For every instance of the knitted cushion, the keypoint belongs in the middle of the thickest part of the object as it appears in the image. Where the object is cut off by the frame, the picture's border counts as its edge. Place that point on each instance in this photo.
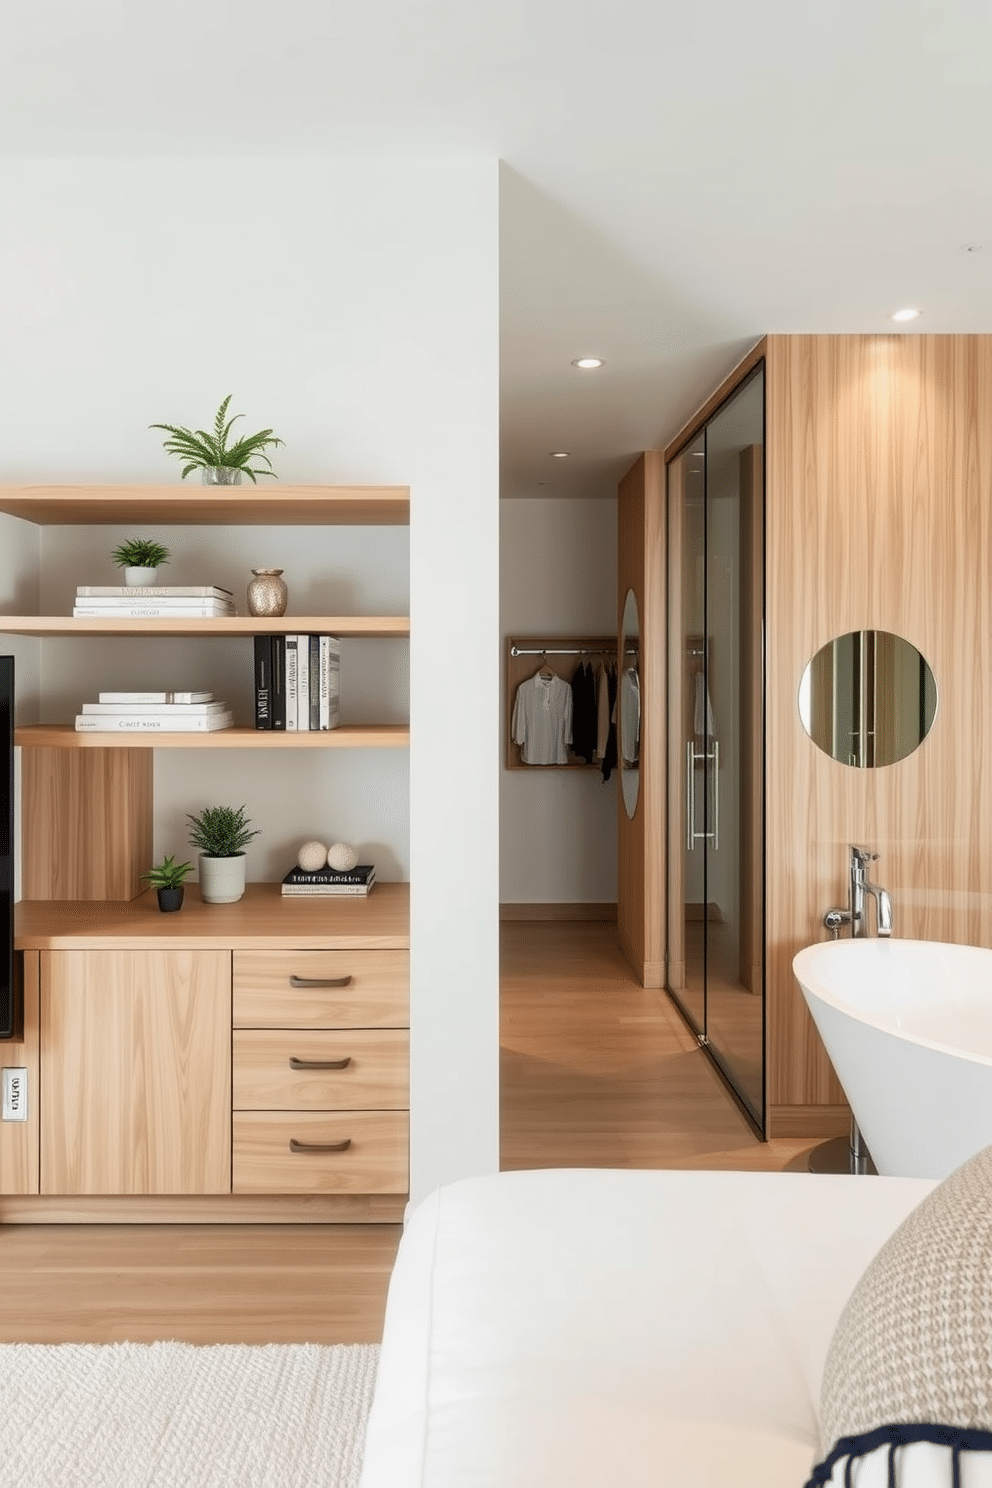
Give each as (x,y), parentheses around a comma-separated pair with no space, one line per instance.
(914,1342)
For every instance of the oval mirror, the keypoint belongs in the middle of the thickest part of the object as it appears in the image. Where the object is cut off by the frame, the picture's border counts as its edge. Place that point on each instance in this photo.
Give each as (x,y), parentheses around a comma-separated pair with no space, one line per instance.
(629,705)
(868,698)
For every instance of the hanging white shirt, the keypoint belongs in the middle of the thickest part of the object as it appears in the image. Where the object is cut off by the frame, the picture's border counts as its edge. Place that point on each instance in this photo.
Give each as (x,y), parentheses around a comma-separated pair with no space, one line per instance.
(542,720)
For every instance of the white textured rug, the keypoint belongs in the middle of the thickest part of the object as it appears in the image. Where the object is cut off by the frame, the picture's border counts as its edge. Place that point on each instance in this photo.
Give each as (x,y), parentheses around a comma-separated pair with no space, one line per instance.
(179,1415)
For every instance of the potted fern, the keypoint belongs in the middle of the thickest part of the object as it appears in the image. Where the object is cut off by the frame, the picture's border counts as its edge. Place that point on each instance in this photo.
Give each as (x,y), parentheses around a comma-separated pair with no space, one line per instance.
(222,462)
(167,879)
(140,558)
(221,833)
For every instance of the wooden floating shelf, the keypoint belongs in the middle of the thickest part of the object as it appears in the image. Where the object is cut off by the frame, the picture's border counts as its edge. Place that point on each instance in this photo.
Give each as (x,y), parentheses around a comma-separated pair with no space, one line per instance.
(395,626)
(348,736)
(265,505)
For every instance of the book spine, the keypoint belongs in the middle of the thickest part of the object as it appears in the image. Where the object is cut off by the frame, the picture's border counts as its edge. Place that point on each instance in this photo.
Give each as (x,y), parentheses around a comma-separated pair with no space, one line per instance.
(170,710)
(314,646)
(277,649)
(155,697)
(263,682)
(151,612)
(303,683)
(302,877)
(153,591)
(325,891)
(152,723)
(291,681)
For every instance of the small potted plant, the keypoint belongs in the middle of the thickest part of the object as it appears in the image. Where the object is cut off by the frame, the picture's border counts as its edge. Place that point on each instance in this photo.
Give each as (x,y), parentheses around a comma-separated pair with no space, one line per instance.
(221,833)
(140,557)
(221,463)
(167,879)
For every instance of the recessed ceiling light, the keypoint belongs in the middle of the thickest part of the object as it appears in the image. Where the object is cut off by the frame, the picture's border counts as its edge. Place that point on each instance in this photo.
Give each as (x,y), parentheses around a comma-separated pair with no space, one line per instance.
(585,362)
(559,454)
(907,314)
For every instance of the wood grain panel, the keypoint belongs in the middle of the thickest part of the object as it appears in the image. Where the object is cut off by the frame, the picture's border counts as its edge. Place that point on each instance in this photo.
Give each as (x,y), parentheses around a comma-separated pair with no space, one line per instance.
(641,839)
(86,823)
(136,1049)
(376,996)
(396,626)
(34,736)
(879,515)
(374,1072)
(204,1209)
(191,505)
(262,918)
(375,1161)
(19,1139)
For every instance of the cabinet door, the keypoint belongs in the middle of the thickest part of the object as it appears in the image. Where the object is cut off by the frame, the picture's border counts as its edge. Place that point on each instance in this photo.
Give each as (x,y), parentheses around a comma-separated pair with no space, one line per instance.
(136,1072)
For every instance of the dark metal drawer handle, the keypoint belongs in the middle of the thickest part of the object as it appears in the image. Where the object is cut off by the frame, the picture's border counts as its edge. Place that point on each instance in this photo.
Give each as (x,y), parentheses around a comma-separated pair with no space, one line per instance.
(295,1146)
(319,1064)
(296,981)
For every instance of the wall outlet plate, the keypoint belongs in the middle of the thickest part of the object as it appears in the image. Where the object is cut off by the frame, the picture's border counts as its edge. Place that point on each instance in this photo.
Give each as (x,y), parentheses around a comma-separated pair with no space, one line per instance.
(14,1083)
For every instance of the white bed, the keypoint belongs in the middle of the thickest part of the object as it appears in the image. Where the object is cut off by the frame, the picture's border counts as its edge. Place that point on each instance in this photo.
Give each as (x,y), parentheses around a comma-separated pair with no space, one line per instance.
(578,1328)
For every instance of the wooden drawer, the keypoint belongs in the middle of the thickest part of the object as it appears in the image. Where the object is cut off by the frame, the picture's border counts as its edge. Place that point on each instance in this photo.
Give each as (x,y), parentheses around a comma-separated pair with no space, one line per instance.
(375,1160)
(373,1070)
(376,995)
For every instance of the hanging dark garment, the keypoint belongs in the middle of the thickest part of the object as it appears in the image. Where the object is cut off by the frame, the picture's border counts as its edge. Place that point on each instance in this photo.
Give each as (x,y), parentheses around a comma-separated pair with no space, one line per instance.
(610,757)
(584,712)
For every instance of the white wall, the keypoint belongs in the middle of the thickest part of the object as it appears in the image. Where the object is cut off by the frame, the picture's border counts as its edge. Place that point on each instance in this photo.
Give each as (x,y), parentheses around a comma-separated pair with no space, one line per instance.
(353,307)
(558,576)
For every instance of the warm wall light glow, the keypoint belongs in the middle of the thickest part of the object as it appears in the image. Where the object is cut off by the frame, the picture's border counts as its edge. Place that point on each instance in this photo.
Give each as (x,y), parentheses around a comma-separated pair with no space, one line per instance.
(588,362)
(559,454)
(907,314)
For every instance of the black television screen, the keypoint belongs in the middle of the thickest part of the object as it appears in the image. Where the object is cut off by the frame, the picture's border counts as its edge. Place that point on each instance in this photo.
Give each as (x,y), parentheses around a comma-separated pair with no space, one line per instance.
(8,998)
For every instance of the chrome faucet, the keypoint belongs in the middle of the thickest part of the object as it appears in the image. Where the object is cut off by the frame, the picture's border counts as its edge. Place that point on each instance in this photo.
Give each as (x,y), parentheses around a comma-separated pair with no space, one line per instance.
(861,886)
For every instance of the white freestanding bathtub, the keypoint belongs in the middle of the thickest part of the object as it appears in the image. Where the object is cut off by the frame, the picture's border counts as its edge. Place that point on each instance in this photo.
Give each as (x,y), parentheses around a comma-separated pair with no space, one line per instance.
(908,1027)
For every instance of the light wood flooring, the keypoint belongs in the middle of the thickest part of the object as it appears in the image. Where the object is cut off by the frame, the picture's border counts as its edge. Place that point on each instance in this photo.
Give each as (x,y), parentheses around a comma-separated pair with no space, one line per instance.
(596,1071)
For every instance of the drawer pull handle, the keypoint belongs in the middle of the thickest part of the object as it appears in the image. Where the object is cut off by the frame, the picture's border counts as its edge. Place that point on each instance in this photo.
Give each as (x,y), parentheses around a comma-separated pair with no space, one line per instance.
(296,981)
(295,1146)
(319,1064)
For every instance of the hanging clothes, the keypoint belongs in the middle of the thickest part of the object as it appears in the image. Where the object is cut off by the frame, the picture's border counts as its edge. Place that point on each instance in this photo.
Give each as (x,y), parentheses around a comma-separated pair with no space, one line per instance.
(630,713)
(542,720)
(610,748)
(584,718)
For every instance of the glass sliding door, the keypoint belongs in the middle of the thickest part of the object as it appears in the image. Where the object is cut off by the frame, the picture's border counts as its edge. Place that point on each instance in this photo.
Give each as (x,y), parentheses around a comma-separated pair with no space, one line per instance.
(716,614)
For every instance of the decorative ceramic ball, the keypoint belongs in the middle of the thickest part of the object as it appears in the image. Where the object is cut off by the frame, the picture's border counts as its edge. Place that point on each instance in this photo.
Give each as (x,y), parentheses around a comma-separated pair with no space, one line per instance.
(341,857)
(311,856)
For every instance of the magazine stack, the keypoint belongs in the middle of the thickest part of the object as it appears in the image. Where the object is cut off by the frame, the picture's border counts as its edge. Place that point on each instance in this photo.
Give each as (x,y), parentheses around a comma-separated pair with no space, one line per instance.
(154,713)
(329,882)
(297,682)
(153,602)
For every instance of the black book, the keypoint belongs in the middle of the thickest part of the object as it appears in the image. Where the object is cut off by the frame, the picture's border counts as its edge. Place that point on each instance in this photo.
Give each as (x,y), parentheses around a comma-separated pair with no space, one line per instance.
(362,873)
(315,682)
(278,658)
(263,683)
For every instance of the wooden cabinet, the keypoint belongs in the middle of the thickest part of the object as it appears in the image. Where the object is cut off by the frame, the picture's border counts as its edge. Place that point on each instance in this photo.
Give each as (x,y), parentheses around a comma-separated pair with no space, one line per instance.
(321,1086)
(136,1072)
(133,1050)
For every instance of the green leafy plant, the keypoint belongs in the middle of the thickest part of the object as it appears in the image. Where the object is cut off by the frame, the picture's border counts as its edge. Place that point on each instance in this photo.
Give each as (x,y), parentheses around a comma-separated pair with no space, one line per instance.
(140,552)
(221,831)
(168,874)
(202,451)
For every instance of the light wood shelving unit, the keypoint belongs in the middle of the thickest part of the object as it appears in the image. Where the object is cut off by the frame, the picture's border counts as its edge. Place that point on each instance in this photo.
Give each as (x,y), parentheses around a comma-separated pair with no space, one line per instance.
(87,920)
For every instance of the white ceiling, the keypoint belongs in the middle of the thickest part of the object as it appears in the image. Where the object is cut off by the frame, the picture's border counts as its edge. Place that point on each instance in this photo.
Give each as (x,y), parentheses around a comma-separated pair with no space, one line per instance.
(677,178)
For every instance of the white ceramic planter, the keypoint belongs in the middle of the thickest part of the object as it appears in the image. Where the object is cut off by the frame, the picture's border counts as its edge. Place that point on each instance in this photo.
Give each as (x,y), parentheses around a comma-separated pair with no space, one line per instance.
(139,577)
(222,880)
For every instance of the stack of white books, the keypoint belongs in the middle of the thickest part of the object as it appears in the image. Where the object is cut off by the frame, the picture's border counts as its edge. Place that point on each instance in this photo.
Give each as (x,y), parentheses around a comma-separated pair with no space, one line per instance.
(154,712)
(153,601)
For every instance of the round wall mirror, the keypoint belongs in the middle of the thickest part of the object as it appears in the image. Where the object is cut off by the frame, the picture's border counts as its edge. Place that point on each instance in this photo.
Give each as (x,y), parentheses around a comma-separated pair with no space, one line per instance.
(868,698)
(629,705)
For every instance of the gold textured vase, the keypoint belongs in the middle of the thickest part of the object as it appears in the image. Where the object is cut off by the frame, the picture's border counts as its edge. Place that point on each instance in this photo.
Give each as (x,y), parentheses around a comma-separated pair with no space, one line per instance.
(267,592)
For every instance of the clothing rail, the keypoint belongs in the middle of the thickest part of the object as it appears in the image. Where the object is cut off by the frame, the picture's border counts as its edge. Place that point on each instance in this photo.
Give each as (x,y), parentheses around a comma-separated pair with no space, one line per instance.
(563,650)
